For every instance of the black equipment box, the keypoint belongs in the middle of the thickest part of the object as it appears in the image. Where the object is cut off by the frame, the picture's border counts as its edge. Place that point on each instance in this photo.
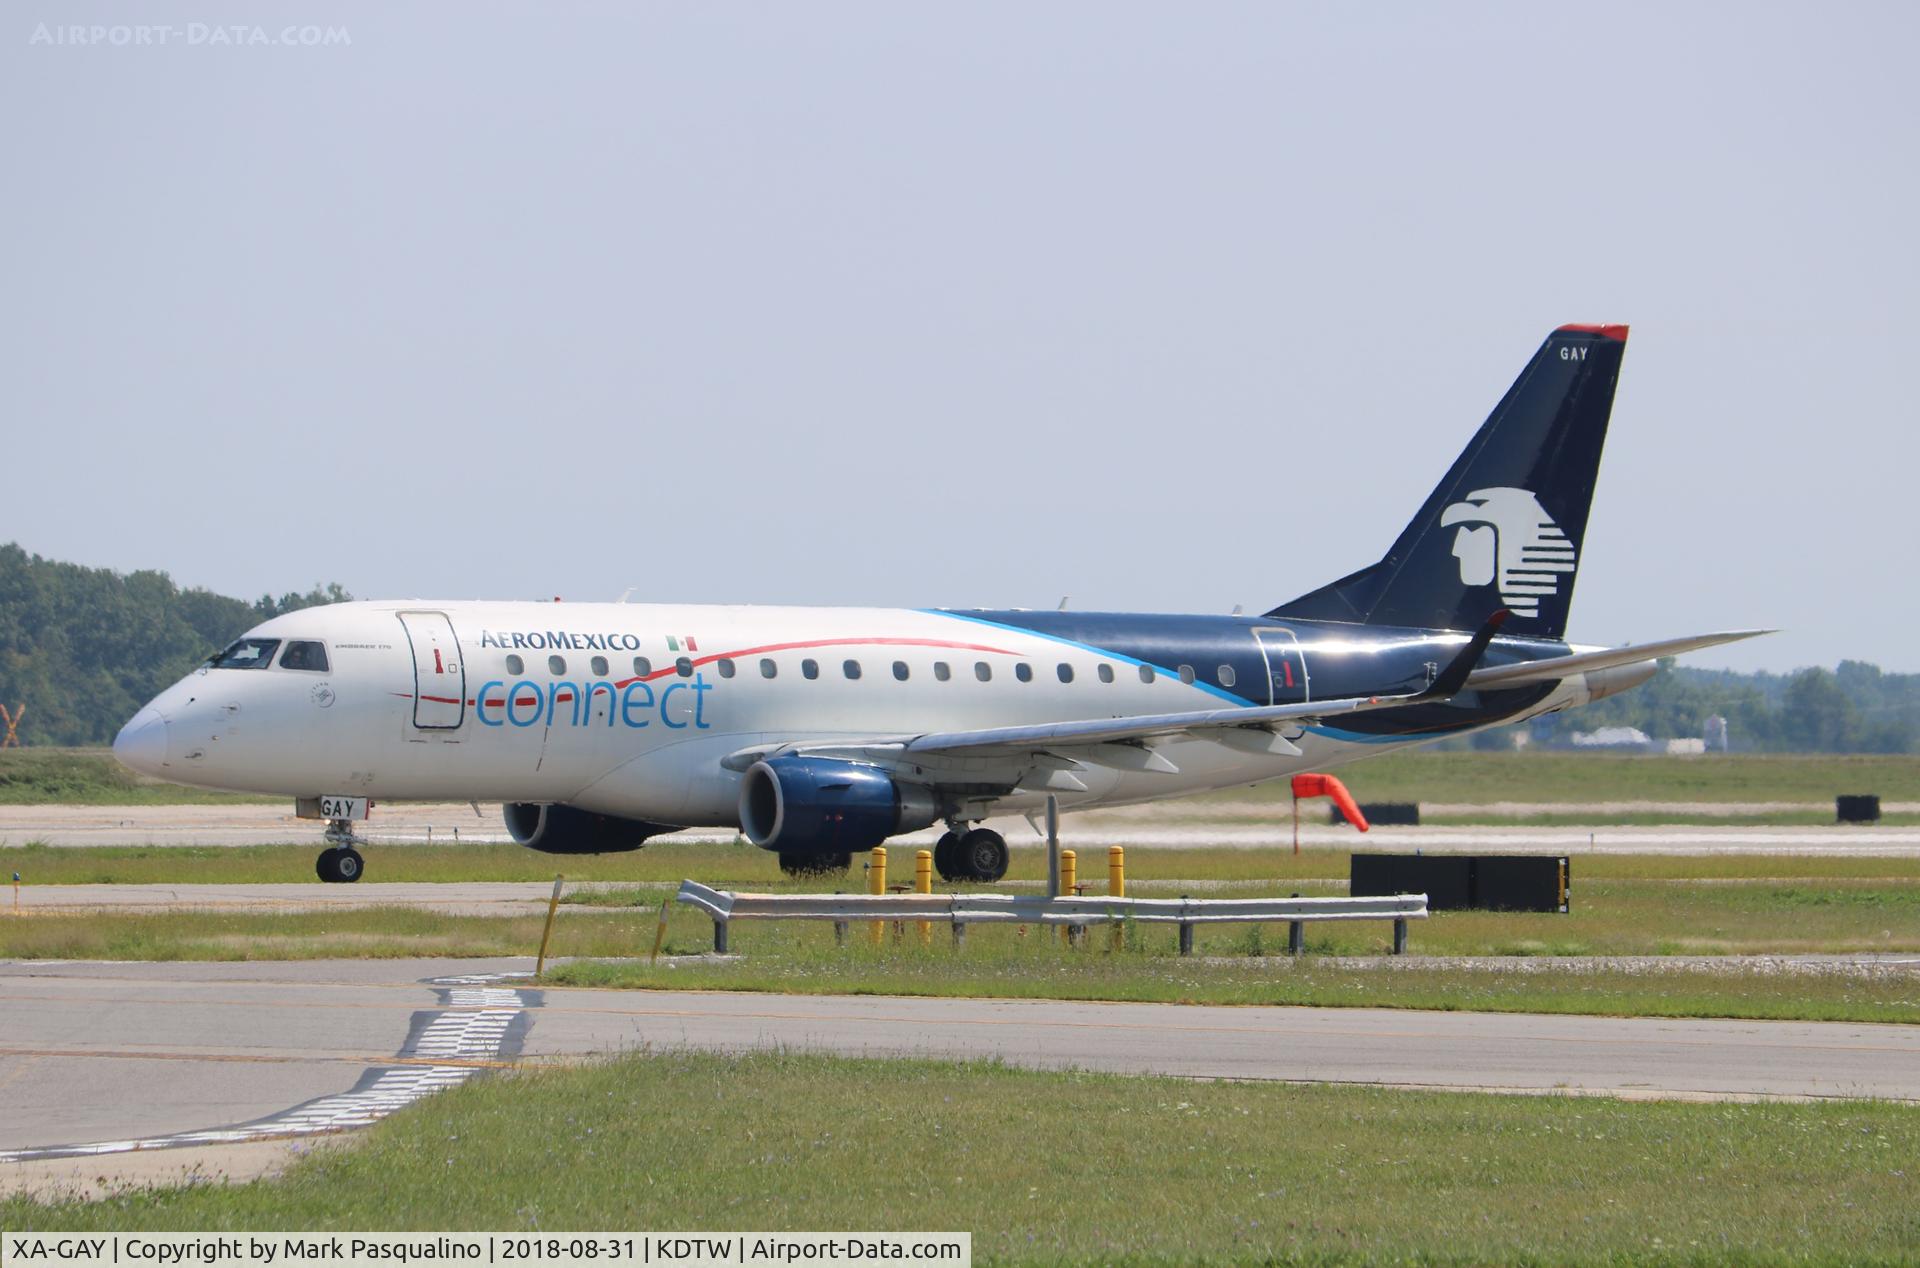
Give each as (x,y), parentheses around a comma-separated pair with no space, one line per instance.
(1851,808)
(1466,882)
(1385,814)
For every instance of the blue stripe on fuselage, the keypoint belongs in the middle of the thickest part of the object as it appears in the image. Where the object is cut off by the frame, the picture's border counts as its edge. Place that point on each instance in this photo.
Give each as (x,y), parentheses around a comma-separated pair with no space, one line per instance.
(1099,650)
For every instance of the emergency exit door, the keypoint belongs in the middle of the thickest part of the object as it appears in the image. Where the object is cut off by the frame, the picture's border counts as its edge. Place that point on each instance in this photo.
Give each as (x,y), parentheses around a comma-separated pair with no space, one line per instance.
(439,675)
(1287,681)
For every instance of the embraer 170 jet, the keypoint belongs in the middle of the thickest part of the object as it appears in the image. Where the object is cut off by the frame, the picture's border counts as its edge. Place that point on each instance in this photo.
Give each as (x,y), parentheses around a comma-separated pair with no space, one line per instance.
(822,731)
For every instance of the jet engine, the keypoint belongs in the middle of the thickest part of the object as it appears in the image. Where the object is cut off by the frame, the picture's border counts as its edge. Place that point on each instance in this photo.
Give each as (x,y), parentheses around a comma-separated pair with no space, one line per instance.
(827,806)
(562,829)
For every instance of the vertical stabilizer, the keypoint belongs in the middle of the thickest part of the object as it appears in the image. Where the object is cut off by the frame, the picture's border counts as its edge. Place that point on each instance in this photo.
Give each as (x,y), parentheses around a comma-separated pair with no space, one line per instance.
(1506,525)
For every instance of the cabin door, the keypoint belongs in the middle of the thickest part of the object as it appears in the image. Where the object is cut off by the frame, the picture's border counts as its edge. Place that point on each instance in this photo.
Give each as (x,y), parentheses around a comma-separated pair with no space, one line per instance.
(439,675)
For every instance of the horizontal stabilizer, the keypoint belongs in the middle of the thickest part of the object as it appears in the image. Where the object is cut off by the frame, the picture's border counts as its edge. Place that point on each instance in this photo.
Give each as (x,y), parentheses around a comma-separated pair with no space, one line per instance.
(1556,667)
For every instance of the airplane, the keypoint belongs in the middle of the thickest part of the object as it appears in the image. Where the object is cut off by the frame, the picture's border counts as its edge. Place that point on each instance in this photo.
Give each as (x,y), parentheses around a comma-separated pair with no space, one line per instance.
(818,732)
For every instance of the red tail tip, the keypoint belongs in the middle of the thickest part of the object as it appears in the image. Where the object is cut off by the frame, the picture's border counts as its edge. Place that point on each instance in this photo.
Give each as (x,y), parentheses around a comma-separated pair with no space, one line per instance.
(1605,332)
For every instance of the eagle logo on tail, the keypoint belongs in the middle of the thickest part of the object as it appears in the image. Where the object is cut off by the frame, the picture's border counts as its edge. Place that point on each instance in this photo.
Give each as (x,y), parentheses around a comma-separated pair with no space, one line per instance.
(1516,544)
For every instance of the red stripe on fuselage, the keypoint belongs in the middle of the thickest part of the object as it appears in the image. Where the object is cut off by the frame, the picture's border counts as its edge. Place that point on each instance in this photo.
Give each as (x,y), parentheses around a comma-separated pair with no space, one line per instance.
(764,649)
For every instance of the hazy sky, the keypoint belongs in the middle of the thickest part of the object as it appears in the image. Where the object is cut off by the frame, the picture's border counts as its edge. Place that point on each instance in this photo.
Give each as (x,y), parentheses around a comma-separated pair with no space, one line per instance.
(1160,307)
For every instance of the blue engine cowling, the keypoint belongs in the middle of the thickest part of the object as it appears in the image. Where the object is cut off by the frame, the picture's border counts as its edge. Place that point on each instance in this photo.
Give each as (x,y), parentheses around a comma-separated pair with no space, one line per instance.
(824,805)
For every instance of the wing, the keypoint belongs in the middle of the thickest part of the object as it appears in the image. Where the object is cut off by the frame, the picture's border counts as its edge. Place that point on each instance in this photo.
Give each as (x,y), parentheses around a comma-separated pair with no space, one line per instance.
(1533,671)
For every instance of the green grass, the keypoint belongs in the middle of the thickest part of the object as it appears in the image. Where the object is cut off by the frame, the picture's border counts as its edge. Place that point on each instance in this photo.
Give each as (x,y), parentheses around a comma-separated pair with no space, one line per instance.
(742,866)
(90,777)
(1234,964)
(1479,778)
(1083,1168)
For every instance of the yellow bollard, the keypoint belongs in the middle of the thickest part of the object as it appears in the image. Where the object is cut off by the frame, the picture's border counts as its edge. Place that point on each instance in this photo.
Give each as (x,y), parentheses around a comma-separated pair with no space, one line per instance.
(877,884)
(923,884)
(1068,862)
(1117,886)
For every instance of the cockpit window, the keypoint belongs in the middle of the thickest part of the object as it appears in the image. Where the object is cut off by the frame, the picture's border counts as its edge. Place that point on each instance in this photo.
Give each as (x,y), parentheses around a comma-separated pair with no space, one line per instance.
(303,654)
(246,653)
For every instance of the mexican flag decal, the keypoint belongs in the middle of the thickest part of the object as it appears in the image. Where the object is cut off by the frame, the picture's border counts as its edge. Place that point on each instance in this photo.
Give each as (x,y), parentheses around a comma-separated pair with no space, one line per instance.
(682,644)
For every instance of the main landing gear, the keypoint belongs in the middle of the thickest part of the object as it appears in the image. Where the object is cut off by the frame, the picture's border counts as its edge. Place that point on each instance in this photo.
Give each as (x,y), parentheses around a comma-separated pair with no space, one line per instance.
(340,863)
(977,854)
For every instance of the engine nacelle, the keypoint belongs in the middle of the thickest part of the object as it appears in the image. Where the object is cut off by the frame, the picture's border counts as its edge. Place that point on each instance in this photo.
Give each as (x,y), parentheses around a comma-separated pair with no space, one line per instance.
(824,805)
(562,829)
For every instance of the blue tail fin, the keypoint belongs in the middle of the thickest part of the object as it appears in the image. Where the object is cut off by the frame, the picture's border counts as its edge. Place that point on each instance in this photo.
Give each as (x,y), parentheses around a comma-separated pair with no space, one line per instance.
(1506,525)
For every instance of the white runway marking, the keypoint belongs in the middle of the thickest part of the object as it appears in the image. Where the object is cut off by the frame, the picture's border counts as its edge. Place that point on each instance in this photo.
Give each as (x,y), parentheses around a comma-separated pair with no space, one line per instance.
(472,1026)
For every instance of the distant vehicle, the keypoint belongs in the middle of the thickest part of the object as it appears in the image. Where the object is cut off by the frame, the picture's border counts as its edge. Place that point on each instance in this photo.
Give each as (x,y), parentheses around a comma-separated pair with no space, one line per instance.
(822,731)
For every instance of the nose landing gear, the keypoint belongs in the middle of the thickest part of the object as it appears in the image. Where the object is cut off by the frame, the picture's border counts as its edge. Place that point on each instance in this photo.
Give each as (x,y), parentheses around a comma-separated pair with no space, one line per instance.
(340,862)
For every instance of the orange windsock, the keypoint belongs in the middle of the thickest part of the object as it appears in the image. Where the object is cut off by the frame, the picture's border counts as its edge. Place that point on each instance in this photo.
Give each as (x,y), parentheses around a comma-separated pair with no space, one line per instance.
(1314,785)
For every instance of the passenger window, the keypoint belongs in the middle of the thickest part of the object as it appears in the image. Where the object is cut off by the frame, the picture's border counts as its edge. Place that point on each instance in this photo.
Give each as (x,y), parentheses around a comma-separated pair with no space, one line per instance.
(683,667)
(1146,673)
(983,671)
(767,668)
(725,667)
(942,671)
(246,653)
(1106,673)
(1227,676)
(642,666)
(599,666)
(301,654)
(515,665)
(809,668)
(1186,674)
(900,670)
(556,665)
(1023,671)
(851,668)
(1065,671)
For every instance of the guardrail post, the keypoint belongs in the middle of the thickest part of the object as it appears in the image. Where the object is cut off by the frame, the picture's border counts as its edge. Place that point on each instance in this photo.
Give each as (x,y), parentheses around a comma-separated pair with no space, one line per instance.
(1400,935)
(1296,937)
(1053,847)
(539,964)
(1186,933)
(877,884)
(923,884)
(839,933)
(959,935)
(719,936)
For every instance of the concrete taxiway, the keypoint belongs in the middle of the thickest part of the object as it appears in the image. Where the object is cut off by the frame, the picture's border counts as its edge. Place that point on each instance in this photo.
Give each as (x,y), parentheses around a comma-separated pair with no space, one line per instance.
(106,1060)
(1169,825)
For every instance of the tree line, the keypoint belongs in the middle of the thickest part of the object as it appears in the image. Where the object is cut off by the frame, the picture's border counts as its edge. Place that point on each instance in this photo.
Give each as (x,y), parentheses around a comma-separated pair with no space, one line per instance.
(1855,708)
(82,648)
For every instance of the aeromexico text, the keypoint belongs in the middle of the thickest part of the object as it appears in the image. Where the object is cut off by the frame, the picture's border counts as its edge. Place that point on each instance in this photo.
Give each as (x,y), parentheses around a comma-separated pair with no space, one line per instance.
(545,640)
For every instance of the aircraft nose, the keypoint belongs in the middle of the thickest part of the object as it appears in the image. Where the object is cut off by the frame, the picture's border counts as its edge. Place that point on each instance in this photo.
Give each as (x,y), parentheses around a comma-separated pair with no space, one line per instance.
(142,743)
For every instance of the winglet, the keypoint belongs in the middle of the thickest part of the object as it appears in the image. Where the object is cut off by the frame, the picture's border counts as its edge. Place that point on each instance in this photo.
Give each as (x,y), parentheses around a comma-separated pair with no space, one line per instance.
(1453,678)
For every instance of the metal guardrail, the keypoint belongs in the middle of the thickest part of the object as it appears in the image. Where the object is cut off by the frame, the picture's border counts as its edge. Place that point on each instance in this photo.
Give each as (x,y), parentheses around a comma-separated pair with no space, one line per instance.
(961,910)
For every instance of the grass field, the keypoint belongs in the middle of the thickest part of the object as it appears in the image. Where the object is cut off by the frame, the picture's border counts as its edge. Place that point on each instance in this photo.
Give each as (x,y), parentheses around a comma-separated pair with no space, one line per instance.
(92,777)
(744,867)
(1233,965)
(1078,1168)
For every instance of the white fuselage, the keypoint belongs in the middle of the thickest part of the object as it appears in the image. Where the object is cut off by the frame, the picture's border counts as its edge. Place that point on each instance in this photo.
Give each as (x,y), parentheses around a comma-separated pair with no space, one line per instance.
(631,709)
